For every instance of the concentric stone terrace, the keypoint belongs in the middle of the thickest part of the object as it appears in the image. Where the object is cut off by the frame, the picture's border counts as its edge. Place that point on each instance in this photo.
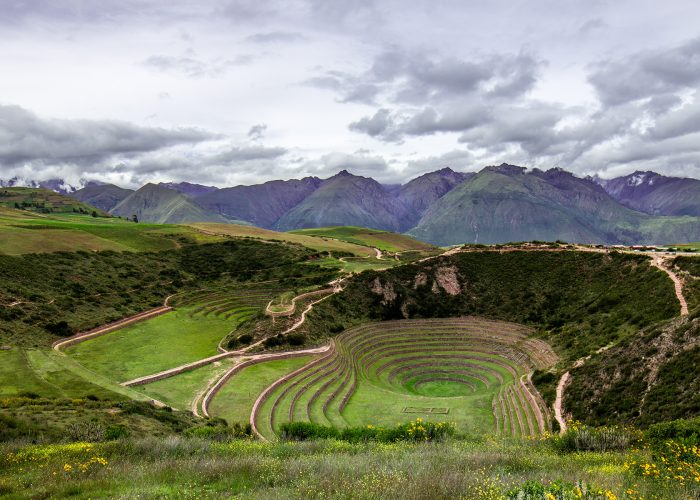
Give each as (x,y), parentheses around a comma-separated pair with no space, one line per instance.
(470,371)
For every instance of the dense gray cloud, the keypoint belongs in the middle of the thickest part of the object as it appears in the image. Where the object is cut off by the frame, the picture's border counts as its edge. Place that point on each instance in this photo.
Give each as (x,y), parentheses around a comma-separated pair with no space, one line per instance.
(648,74)
(25,137)
(210,90)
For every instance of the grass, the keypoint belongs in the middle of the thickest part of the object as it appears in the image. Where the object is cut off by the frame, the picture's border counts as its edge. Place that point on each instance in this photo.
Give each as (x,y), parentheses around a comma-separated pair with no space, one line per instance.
(376,238)
(24,232)
(235,401)
(319,244)
(181,390)
(164,342)
(50,374)
(480,468)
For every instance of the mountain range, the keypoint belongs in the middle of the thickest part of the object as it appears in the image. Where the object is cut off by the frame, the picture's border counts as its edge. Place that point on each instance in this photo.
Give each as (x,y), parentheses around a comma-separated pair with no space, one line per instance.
(497,204)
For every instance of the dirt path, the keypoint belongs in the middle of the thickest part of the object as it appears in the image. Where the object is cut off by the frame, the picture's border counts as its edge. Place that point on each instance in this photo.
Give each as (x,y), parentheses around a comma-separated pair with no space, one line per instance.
(147,379)
(289,311)
(559,401)
(659,262)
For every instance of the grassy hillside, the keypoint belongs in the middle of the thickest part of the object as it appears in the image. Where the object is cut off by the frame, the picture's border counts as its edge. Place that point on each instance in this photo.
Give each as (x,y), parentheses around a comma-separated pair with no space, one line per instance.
(580,301)
(23,232)
(384,240)
(505,203)
(648,378)
(46,296)
(317,243)
(43,201)
(182,467)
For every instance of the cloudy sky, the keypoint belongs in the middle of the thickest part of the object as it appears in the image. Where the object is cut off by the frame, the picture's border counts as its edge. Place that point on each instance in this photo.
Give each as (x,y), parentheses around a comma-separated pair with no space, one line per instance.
(244,91)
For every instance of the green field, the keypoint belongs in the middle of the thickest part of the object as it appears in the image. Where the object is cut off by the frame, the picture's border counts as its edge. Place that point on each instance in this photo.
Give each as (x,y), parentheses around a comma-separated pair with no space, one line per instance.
(235,401)
(53,375)
(164,342)
(320,244)
(376,238)
(24,232)
(181,390)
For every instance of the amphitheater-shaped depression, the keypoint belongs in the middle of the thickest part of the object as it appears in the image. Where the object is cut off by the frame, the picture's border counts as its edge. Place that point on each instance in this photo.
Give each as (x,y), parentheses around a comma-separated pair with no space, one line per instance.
(470,371)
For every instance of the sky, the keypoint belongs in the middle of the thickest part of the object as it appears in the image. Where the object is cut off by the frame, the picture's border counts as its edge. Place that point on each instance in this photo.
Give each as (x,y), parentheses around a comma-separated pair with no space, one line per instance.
(245,91)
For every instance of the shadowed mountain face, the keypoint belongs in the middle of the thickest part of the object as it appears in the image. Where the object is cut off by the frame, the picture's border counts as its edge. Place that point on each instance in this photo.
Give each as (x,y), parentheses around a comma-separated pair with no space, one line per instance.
(261,204)
(153,203)
(344,200)
(103,196)
(656,194)
(506,203)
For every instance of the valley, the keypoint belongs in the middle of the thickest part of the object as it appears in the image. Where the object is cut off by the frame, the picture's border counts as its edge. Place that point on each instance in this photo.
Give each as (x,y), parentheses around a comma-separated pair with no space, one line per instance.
(232,330)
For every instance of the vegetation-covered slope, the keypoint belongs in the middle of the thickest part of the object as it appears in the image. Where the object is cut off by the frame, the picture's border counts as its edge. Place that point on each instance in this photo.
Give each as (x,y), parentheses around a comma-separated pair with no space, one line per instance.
(648,378)
(383,240)
(43,201)
(420,193)
(580,301)
(344,200)
(46,296)
(505,203)
(23,232)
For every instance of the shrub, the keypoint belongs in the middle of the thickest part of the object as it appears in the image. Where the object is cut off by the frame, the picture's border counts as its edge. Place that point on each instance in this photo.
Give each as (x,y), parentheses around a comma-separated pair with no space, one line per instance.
(686,431)
(118,431)
(579,437)
(85,431)
(218,431)
(417,430)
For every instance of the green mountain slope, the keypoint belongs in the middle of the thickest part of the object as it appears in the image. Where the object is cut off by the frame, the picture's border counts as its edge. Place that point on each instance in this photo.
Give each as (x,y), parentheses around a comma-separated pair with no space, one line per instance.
(103,196)
(505,203)
(420,193)
(345,200)
(153,203)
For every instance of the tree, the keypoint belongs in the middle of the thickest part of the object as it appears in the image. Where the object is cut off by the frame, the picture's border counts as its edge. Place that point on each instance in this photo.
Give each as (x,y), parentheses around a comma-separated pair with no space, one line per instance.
(134,218)
(94,213)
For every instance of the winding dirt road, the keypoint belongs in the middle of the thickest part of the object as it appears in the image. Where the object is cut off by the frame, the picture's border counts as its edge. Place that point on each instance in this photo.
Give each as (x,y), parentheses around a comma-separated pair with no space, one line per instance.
(659,262)
(558,402)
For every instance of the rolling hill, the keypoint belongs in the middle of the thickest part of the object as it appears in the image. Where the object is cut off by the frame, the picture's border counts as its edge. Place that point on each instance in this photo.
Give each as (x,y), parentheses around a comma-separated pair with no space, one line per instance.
(43,201)
(153,203)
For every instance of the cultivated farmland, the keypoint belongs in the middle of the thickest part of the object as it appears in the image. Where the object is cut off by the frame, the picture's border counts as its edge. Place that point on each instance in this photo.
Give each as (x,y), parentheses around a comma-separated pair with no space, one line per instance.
(470,371)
